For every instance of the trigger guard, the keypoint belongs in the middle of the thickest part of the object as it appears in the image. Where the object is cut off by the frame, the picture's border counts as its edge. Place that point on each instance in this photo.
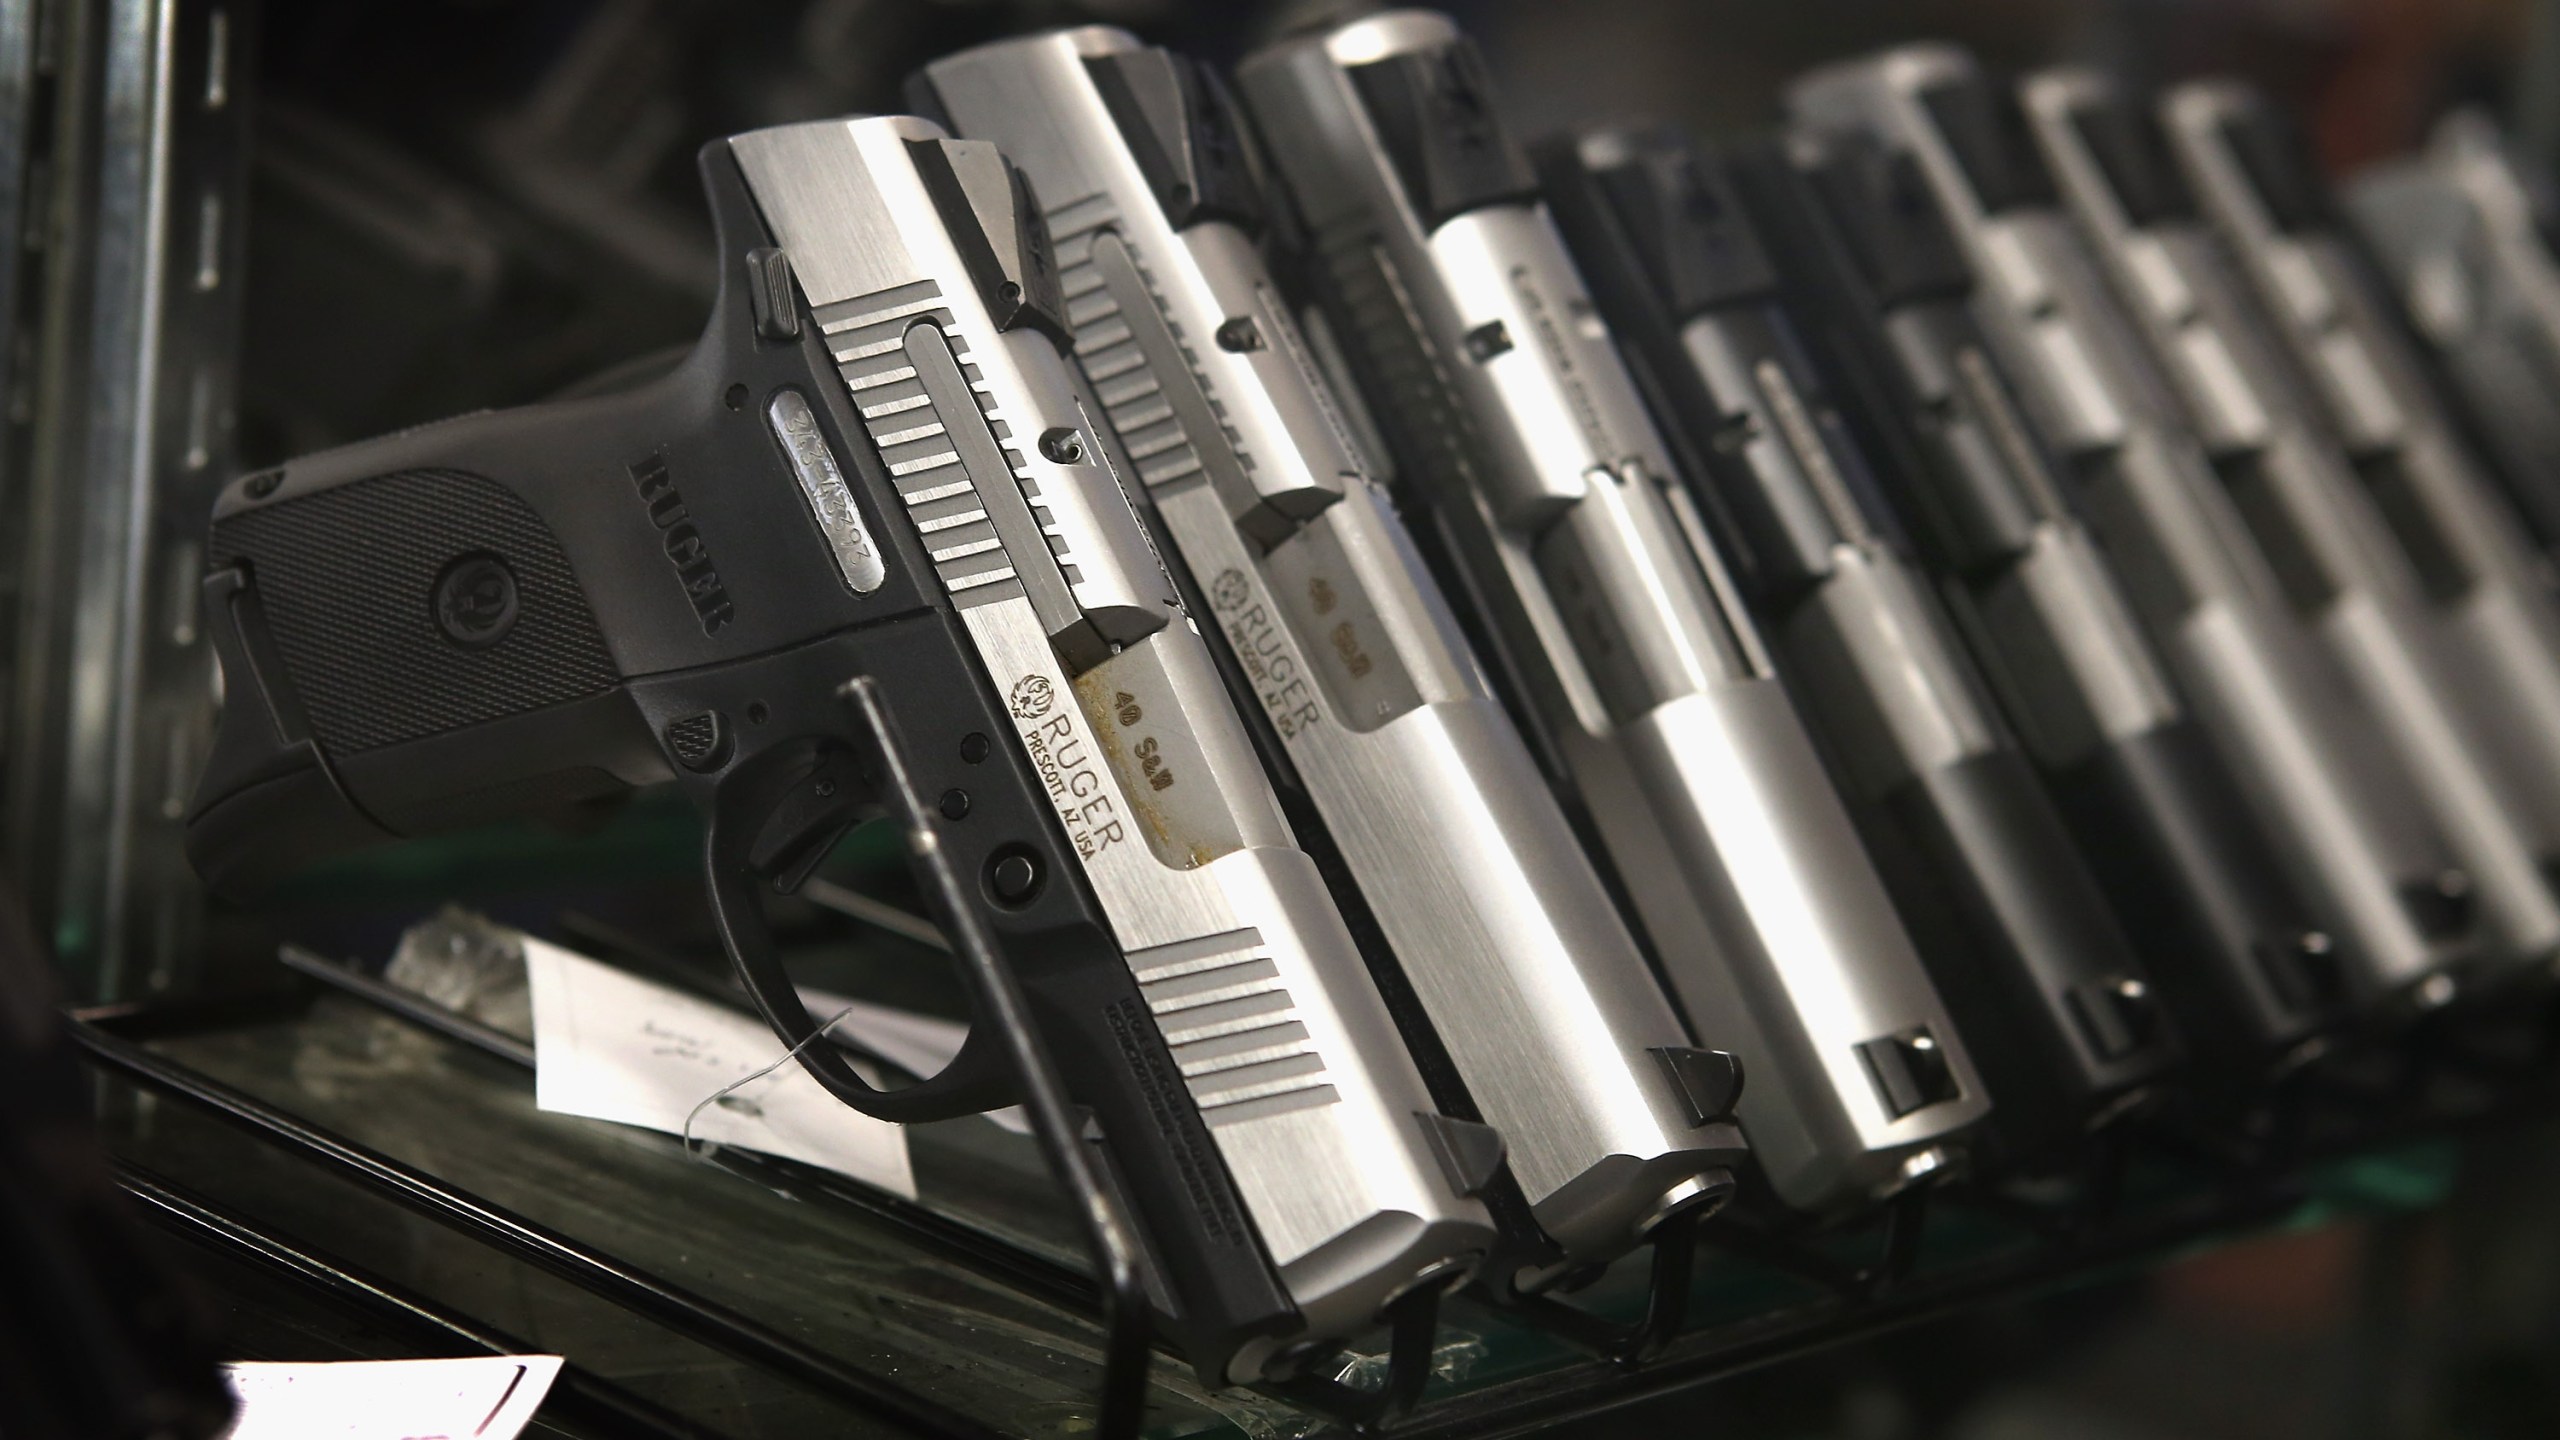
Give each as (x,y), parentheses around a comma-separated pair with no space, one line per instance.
(806,821)
(742,847)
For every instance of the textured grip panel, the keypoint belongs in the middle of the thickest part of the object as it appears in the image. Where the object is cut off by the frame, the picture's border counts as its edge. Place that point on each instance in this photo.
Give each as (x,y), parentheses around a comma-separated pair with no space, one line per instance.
(348,578)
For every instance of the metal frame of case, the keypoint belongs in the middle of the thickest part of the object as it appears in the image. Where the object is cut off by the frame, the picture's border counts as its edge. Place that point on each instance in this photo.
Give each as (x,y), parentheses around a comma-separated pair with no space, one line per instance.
(119,316)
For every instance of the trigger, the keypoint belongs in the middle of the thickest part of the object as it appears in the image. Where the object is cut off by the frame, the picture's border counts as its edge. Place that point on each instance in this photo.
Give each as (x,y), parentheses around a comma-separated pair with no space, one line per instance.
(806,823)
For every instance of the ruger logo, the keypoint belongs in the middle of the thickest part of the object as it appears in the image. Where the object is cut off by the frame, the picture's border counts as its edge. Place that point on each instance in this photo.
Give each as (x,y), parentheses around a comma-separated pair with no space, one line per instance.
(683,544)
(1032,696)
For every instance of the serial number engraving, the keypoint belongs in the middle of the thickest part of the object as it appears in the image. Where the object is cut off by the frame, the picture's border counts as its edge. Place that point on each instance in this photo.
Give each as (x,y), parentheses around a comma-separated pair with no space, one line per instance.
(795,425)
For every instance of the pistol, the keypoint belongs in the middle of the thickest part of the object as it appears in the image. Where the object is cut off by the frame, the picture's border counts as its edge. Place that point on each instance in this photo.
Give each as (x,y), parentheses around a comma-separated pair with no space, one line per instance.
(1523,449)
(1331,632)
(2333,550)
(2464,229)
(1687,269)
(2195,877)
(2313,766)
(2037,971)
(2476,572)
(872,468)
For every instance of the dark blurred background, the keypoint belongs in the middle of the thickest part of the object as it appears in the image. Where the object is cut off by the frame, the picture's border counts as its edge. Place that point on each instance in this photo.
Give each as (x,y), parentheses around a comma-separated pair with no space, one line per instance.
(469,202)
(462,203)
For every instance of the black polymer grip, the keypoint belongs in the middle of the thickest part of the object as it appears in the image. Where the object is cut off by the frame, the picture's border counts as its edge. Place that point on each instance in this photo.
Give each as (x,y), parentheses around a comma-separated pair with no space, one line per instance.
(670,608)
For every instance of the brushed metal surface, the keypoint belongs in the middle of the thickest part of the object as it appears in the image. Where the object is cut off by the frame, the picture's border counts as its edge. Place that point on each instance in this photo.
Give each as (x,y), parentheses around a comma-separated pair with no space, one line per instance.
(2460,228)
(1100,554)
(1867,645)
(2074,666)
(1620,625)
(1524,969)
(1871,646)
(2498,618)
(2354,588)
(2341,803)
(1753,891)
(1238,950)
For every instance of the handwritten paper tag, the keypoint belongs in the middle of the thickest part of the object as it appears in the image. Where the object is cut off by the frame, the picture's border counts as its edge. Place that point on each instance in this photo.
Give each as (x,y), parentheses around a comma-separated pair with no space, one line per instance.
(611,1046)
(483,1397)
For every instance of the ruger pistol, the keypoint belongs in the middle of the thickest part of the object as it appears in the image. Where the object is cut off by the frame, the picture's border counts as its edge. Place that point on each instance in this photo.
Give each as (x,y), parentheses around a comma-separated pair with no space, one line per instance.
(873,465)
(1520,436)
(2193,874)
(2332,550)
(2476,570)
(2312,764)
(2464,229)
(1332,631)
(1686,269)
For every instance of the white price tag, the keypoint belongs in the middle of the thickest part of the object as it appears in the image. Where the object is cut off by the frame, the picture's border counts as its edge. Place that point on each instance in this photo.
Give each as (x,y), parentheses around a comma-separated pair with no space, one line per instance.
(487,1397)
(611,1046)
